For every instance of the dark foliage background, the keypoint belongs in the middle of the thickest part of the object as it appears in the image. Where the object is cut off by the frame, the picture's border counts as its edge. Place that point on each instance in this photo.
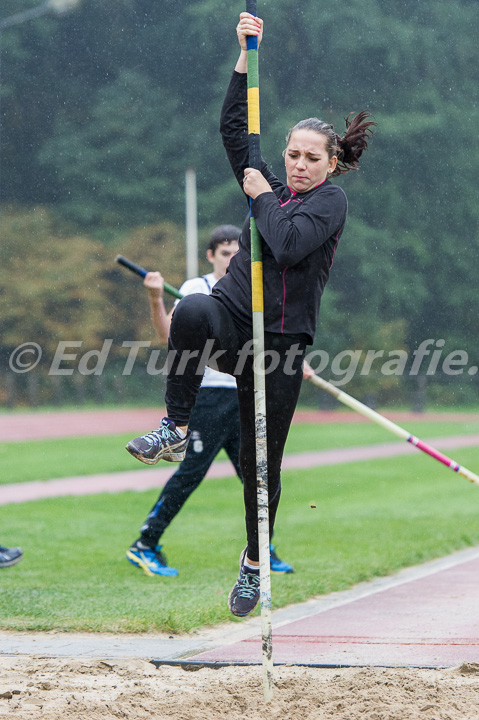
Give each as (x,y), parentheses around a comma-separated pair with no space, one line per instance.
(104,108)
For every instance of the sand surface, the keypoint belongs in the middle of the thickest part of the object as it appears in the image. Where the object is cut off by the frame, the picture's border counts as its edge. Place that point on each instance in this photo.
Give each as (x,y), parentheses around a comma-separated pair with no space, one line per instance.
(32,687)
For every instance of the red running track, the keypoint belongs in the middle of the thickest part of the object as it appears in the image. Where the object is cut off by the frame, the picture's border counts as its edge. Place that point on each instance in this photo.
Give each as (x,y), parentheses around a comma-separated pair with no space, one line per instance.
(17,426)
(423,621)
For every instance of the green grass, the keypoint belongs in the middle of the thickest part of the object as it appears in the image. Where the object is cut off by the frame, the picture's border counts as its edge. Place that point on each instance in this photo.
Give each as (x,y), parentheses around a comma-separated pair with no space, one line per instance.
(65,457)
(306,437)
(372,519)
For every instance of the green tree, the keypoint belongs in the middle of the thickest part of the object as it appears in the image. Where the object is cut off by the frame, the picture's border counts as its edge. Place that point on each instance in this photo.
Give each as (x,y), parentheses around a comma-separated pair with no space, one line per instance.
(50,287)
(103,110)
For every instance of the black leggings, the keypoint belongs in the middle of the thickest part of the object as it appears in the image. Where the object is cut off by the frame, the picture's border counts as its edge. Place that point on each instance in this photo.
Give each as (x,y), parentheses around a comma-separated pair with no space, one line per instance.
(214,425)
(202,322)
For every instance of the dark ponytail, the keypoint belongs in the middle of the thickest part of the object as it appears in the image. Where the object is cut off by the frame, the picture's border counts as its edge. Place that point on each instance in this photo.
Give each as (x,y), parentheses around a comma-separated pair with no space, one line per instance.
(349,148)
(354,142)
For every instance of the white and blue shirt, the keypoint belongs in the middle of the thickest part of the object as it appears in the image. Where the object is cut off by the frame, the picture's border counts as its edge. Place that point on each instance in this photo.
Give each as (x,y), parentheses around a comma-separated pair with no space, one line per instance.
(204,284)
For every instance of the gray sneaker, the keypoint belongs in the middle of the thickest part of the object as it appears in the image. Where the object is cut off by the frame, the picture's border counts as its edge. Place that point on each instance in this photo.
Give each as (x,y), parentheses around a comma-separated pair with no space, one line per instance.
(161,444)
(245,594)
(9,556)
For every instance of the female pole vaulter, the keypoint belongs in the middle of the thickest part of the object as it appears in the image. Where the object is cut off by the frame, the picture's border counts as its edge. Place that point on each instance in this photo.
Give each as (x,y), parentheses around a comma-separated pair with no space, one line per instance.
(301,221)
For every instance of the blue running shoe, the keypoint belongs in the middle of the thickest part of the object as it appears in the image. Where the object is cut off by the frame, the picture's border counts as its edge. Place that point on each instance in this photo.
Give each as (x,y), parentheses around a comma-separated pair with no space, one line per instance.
(277,565)
(164,443)
(151,561)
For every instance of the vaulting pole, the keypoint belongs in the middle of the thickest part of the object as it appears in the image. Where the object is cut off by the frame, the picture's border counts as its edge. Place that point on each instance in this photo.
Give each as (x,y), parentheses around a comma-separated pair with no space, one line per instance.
(354,404)
(259,375)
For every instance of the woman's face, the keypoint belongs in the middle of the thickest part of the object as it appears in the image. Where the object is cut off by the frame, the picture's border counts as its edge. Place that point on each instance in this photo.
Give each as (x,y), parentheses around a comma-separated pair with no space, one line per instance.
(307,161)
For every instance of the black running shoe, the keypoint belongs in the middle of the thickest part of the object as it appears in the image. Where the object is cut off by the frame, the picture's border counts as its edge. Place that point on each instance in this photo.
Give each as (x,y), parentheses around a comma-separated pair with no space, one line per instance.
(9,556)
(162,444)
(245,594)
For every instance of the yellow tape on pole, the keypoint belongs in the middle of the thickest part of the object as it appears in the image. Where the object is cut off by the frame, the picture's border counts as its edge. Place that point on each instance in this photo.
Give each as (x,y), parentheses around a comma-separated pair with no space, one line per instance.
(253,111)
(257,286)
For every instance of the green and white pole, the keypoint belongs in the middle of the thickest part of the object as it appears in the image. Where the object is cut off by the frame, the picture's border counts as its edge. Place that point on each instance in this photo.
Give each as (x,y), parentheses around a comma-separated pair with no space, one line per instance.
(259,374)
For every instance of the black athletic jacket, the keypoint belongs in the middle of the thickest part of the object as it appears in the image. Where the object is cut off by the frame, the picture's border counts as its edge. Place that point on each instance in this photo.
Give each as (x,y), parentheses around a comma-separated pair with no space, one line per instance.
(300,233)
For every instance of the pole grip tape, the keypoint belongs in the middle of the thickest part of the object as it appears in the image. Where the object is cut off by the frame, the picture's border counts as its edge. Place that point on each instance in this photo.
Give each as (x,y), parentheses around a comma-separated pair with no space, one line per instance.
(257,286)
(254,152)
(253,111)
(137,269)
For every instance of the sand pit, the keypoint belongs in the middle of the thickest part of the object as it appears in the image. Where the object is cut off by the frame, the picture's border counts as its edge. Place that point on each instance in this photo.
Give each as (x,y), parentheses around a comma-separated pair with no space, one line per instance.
(51,689)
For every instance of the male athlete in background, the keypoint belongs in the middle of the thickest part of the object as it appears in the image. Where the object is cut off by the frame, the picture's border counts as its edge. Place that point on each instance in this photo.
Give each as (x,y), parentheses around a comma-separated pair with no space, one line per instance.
(214,422)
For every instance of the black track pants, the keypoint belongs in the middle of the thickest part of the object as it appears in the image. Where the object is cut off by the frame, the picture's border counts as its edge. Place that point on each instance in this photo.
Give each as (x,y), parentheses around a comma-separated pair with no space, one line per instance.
(203,328)
(214,425)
